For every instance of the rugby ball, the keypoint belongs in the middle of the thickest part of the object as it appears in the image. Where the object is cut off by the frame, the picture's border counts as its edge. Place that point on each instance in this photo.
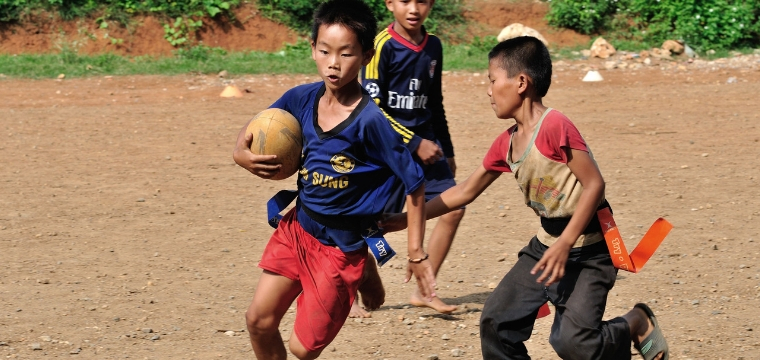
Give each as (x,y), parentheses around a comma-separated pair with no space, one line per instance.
(277,132)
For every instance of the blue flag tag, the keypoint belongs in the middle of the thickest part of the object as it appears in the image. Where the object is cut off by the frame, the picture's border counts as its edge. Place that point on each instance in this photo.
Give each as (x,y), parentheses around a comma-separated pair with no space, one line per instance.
(277,203)
(380,247)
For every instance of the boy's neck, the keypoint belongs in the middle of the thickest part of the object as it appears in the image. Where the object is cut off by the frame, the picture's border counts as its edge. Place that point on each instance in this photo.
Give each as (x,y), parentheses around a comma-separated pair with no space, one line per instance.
(529,114)
(414,36)
(346,96)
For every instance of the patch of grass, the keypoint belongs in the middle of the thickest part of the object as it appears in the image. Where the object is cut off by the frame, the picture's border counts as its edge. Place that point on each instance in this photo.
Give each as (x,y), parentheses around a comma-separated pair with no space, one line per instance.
(293,59)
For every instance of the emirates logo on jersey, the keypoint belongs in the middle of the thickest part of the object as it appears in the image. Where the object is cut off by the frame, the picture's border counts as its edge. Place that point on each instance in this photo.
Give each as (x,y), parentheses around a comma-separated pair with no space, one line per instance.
(342,163)
(431,69)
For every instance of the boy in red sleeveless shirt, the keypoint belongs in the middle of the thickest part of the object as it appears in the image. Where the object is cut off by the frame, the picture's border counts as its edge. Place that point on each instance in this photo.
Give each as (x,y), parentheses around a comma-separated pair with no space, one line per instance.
(567,262)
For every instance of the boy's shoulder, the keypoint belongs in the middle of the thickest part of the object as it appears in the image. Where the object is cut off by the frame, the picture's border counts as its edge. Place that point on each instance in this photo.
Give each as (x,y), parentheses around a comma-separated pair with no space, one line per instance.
(388,36)
(555,120)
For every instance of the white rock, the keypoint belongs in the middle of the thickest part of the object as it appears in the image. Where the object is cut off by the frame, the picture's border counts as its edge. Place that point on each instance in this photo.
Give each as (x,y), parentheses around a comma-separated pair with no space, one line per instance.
(602,49)
(517,29)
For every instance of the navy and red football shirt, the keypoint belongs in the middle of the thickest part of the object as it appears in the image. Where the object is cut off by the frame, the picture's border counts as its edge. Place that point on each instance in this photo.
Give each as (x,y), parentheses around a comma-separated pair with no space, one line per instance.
(405,81)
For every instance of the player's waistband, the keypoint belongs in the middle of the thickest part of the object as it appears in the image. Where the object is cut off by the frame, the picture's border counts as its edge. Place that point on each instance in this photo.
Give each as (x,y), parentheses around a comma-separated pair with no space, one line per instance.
(555,226)
(341,222)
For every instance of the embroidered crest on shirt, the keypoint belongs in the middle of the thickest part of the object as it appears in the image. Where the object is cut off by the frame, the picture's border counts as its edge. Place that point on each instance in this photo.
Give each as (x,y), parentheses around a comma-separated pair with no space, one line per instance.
(342,163)
(431,69)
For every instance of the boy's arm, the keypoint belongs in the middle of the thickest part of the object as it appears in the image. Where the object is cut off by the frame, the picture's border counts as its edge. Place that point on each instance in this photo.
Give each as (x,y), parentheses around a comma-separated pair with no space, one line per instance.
(418,263)
(256,164)
(438,114)
(452,199)
(585,170)
(428,151)
(461,194)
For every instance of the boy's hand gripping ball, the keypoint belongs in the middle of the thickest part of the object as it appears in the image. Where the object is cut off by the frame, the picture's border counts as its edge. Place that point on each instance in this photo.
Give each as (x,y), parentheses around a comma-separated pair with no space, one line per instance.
(277,132)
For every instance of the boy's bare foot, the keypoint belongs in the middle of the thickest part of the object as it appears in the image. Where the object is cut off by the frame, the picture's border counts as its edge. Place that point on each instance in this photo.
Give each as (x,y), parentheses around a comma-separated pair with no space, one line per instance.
(371,288)
(436,304)
(357,311)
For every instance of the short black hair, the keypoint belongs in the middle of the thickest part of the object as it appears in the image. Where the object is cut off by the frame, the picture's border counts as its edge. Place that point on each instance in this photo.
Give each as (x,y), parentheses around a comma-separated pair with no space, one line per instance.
(355,15)
(525,54)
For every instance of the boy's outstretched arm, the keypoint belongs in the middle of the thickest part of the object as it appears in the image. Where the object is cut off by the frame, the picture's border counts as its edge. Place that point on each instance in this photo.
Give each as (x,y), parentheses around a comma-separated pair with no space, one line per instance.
(585,170)
(421,269)
(463,193)
(454,198)
(256,164)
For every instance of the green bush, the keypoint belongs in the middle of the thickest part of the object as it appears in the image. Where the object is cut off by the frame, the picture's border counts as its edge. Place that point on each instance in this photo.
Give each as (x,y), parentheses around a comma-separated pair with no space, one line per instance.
(297,14)
(584,16)
(703,24)
(10,10)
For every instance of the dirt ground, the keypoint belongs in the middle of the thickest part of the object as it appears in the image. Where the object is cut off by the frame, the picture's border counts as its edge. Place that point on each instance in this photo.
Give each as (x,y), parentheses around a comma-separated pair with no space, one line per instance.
(128,231)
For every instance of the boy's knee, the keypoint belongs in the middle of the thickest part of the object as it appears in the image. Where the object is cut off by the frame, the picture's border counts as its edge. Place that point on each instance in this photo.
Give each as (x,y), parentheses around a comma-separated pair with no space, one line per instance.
(455,216)
(260,323)
(567,348)
(302,353)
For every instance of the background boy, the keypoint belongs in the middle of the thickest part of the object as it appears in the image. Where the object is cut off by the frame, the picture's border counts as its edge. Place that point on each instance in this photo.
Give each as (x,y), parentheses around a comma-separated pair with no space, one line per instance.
(404,78)
(317,253)
(561,182)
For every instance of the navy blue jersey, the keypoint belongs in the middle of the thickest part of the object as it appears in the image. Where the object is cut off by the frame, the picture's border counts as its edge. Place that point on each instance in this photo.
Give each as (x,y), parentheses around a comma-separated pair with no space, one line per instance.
(350,170)
(405,81)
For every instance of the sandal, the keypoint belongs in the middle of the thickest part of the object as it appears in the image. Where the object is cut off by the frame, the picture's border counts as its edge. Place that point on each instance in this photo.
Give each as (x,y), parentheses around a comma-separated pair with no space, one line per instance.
(655,342)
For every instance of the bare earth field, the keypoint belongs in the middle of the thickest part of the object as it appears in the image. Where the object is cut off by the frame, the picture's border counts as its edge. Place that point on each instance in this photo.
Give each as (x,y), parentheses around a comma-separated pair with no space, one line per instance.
(127,231)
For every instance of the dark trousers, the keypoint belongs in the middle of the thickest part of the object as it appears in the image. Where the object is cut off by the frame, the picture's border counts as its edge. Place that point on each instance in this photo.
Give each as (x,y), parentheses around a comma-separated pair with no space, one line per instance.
(580,297)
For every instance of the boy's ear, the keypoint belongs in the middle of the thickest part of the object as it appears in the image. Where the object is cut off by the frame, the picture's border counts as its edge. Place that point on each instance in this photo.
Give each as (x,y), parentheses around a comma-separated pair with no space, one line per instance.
(523,83)
(368,56)
(389,4)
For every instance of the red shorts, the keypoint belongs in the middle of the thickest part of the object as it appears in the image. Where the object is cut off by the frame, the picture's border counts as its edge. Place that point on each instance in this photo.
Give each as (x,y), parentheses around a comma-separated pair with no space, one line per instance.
(328,276)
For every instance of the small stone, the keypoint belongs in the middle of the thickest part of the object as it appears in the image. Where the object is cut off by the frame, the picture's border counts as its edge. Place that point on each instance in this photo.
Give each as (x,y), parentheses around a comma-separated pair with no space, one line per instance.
(705,154)
(432,357)
(445,337)
(492,285)
(501,258)
(358,320)
(75,351)
(223,74)
(684,166)
(502,214)
(36,346)
(401,318)
(147,330)
(46,338)
(155,337)
(695,302)
(61,76)
(457,352)
(229,333)
(140,200)
(715,247)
